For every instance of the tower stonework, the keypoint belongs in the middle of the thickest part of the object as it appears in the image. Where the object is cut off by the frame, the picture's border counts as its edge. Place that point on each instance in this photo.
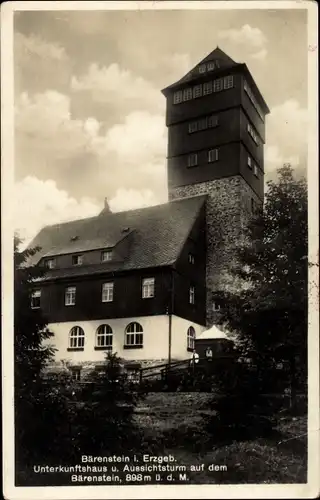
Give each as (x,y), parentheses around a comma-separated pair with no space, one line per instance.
(216,132)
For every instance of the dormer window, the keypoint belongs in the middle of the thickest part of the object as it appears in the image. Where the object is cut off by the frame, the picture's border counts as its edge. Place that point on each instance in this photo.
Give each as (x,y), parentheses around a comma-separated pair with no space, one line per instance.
(106,255)
(212,65)
(202,68)
(77,260)
(50,263)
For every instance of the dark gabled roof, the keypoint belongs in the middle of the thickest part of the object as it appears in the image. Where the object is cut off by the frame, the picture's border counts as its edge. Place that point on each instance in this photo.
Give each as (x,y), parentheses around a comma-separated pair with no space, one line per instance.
(217,54)
(157,235)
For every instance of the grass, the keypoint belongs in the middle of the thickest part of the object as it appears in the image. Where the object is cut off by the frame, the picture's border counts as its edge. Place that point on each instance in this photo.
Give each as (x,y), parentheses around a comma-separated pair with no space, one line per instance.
(172,424)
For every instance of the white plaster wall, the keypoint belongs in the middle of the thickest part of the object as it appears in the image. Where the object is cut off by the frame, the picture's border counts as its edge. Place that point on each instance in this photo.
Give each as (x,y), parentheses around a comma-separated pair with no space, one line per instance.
(179,336)
(155,339)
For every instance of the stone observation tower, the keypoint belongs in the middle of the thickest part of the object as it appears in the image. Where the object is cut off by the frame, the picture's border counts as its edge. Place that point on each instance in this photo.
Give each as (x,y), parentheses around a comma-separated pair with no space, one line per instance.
(215,116)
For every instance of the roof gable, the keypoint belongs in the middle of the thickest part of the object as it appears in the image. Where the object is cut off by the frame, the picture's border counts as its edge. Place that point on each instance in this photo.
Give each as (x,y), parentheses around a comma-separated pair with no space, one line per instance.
(157,236)
(216,55)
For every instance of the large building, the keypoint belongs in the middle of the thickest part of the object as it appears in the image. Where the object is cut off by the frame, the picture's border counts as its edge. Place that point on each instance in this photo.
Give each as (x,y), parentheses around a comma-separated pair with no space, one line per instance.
(140,283)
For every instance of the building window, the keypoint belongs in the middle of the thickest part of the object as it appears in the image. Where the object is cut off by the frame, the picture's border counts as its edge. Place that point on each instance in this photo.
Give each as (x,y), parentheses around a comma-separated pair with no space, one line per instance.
(255,170)
(197,91)
(187,94)
(148,288)
(191,337)
(77,260)
(253,206)
(202,68)
(213,155)
(191,295)
(207,88)
(203,124)
(217,85)
(50,263)
(35,299)
(252,133)
(104,337)
(75,374)
(249,162)
(177,97)
(253,100)
(76,338)
(211,66)
(134,335)
(191,258)
(213,121)
(193,127)
(228,82)
(192,160)
(70,296)
(107,292)
(106,255)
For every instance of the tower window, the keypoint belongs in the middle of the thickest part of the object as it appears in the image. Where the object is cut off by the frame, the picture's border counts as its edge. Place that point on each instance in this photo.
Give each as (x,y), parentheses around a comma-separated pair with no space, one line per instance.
(193,127)
(252,133)
(191,258)
(228,82)
(202,68)
(255,170)
(192,160)
(213,121)
(197,91)
(187,94)
(212,65)
(213,155)
(191,295)
(217,85)
(207,88)
(177,97)
(35,299)
(203,124)
(249,162)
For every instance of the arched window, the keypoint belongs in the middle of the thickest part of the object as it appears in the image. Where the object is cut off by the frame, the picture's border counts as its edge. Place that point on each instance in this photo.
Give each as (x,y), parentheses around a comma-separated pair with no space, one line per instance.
(134,335)
(104,337)
(191,336)
(76,338)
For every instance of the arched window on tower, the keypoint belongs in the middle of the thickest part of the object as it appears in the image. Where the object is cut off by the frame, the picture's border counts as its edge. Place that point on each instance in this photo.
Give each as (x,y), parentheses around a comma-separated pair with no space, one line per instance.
(133,336)
(191,337)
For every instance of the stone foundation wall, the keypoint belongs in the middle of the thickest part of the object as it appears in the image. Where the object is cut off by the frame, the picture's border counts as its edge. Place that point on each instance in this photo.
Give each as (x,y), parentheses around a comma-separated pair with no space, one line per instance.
(227,213)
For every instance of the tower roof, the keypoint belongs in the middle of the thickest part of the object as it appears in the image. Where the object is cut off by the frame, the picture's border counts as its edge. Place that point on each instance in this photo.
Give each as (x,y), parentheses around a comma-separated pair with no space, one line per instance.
(225,63)
(216,55)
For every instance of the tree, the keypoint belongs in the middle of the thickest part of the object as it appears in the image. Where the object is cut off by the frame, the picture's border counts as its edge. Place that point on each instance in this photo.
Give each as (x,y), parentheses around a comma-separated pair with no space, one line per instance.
(105,421)
(39,410)
(268,314)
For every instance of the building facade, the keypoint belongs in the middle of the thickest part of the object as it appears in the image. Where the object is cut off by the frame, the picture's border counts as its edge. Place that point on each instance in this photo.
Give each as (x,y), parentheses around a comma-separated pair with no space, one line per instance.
(140,282)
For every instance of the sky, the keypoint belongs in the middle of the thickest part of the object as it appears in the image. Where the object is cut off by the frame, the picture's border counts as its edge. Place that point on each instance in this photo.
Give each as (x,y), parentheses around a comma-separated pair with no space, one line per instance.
(90,116)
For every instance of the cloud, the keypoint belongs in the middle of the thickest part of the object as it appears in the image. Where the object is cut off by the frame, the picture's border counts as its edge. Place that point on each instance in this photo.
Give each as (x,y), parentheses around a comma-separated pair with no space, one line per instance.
(39,64)
(141,138)
(113,84)
(248,38)
(286,141)
(89,158)
(39,203)
(128,199)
